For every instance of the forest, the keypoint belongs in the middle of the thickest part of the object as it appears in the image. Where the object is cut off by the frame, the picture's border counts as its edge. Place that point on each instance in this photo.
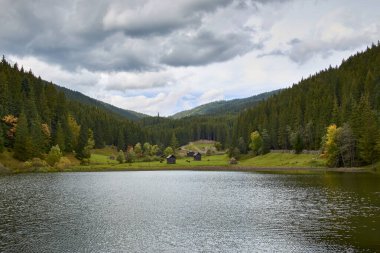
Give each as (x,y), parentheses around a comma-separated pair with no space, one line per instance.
(336,110)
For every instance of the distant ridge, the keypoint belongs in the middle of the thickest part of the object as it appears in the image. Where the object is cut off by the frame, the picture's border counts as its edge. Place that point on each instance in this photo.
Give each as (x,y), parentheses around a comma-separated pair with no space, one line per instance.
(80,97)
(225,106)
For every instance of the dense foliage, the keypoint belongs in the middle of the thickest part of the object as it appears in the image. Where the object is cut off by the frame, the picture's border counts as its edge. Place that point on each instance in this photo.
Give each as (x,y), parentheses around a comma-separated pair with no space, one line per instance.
(36,115)
(298,116)
(160,130)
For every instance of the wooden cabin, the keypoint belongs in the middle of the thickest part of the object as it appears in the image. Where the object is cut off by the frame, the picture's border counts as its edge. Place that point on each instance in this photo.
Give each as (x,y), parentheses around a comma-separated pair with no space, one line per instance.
(233,161)
(197,156)
(190,154)
(171,159)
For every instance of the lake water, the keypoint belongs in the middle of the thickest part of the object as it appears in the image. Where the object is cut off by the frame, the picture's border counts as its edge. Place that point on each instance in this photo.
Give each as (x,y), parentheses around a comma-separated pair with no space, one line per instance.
(189,211)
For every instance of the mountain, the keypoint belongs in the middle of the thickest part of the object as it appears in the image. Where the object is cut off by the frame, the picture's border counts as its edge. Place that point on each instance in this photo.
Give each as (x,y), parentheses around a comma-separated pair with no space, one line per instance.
(225,107)
(79,97)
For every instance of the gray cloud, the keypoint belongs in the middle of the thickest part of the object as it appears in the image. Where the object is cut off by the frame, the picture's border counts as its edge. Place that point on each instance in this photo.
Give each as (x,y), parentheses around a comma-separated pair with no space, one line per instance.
(206,47)
(138,48)
(132,35)
(158,17)
(115,35)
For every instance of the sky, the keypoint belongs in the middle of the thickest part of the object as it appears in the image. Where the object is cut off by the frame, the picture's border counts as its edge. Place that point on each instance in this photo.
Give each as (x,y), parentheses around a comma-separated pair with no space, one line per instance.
(164,56)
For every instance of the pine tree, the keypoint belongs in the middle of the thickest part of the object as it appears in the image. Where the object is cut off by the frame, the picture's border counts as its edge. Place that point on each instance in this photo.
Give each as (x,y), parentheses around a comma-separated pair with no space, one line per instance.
(367,132)
(60,137)
(242,146)
(23,143)
(75,130)
(297,141)
(174,142)
(82,142)
(1,138)
(266,142)
(378,146)
(120,140)
(37,137)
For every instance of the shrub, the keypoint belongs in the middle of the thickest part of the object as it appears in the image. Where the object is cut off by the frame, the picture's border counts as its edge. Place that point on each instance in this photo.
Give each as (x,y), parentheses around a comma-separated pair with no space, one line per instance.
(54,155)
(63,163)
(38,163)
(120,156)
(131,156)
(3,169)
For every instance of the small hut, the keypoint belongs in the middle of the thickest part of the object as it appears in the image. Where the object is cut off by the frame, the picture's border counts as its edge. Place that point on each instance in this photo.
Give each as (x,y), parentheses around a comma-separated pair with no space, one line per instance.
(233,161)
(190,154)
(171,159)
(197,156)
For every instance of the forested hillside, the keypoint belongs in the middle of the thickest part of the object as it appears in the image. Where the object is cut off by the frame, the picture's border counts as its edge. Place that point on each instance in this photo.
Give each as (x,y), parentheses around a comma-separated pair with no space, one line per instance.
(81,98)
(220,108)
(217,128)
(347,96)
(36,115)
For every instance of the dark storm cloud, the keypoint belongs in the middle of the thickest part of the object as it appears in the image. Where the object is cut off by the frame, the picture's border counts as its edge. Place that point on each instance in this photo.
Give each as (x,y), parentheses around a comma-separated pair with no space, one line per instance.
(153,18)
(206,47)
(134,35)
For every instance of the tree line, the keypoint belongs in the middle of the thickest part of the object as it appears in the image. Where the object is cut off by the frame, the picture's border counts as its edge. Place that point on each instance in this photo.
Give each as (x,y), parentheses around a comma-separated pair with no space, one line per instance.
(336,111)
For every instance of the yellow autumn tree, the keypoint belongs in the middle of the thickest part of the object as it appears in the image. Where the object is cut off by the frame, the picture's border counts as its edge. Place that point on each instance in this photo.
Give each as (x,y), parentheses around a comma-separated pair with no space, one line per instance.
(330,149)
(11,121)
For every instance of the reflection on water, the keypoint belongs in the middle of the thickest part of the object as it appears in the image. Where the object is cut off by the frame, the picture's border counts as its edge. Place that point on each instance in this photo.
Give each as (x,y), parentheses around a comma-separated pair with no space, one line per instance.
(186,211)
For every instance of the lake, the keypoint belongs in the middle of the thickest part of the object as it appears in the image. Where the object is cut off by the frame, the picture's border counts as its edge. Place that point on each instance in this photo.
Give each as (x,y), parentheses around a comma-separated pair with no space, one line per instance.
(189,211)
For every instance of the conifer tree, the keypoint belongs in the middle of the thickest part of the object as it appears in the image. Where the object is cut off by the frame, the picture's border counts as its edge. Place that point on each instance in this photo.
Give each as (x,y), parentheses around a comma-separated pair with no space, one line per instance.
(367,132)
(23,142)
(174,143)
(37,137)
(266,142)
(60,137)
(82,142)
(1,138)
(120,140)
(297,141)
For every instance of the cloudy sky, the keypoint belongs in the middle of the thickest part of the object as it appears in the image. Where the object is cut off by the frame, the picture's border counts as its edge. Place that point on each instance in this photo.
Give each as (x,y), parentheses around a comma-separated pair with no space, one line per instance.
(166,56)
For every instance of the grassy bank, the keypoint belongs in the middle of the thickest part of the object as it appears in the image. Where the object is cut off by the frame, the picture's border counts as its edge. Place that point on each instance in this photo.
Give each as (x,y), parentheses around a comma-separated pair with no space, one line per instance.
(285,160)
(281,163)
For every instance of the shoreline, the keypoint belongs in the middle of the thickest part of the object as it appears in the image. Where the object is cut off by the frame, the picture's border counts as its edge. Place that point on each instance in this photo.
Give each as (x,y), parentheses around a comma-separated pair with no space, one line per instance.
(274,170)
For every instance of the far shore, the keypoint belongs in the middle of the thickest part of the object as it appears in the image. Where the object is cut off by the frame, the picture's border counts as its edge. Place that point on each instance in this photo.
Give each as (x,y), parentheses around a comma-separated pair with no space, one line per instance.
(281,170)
(235,168)
(270,163)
